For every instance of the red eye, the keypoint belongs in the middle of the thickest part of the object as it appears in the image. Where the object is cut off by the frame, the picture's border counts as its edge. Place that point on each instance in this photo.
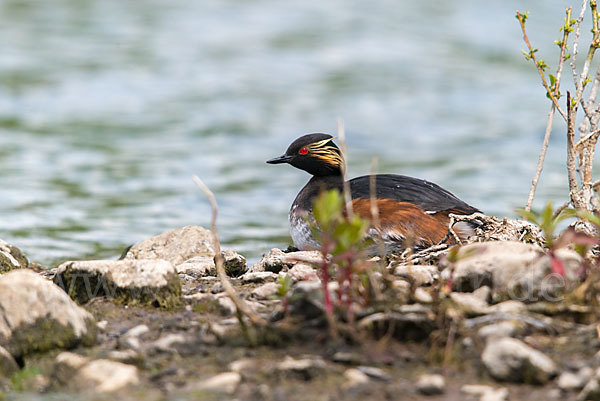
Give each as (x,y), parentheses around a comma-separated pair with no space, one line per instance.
(303,151)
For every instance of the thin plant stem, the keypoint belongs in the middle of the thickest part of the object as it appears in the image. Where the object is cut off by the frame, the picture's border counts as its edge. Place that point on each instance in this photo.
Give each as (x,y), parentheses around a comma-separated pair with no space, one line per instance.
(542,157)
(239,303)
(576,43)
(538,65)
(571,168)
(375,209)
(583,78)
(325,264)
(376,224)
(346,185)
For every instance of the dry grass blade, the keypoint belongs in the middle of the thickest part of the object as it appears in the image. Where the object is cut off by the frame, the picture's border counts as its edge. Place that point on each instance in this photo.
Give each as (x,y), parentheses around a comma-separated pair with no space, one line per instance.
(229,290)
(541,158)
(342,138)
(375,209)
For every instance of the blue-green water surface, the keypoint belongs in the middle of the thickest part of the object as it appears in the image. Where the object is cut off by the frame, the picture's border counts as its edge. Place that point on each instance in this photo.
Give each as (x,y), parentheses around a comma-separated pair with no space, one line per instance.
(107,109)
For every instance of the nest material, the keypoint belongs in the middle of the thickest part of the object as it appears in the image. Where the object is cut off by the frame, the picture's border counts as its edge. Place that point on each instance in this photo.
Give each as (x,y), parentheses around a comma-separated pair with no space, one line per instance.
(486,228)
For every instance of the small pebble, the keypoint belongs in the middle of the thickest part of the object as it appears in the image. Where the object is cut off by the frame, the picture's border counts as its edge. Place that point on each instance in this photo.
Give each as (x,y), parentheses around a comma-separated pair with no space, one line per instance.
(354,377)
(431,384)
(374,373)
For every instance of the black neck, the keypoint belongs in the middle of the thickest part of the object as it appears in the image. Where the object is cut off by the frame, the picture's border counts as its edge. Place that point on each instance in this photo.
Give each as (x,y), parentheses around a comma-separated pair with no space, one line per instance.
(314,187)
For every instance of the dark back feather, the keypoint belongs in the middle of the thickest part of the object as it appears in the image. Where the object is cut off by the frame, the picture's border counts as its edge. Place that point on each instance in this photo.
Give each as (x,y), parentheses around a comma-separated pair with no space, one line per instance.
(427,195)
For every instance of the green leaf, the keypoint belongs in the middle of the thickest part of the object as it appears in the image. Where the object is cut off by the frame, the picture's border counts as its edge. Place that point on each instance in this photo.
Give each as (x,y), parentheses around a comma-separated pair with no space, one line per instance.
(284,285)
(328,208)
(547,213)
(566,214)
(522,17)
(528,215)
(542,64)
(588,216)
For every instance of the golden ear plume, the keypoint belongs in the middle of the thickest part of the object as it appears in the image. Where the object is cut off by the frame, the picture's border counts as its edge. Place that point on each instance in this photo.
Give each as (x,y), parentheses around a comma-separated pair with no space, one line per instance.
(327,153)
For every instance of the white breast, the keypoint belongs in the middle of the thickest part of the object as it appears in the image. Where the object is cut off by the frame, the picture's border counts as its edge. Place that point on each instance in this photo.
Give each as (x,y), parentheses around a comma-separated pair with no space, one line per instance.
(300,231)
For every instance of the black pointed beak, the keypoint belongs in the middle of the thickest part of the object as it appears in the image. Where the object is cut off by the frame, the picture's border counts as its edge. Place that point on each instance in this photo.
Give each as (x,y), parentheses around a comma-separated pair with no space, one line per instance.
(280,159)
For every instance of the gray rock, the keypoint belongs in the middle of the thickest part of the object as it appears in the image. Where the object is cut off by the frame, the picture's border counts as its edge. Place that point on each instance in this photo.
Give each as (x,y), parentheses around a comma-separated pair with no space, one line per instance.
(8,365)
(302,272)
(198,266)
(37,316)
(486,393)
(431,384)
(514,270)
(265,291)
(131,338)
(409,322)
(422,296)
(347,358)
(500,394)
(83,374)
(306,368)
(11,258)
(469,303)
(189,284)
(199,298)
(501,329)
(167,343)
(226,306)
(175,246)
(150,282)
(354,378)
(225,383)
(484,294)
(508,359)
(217,288)
(128,356)
(420,275)
(276,260)
(575,381)
(403,290)
(234,263)
(591,391)
(258,277)
(511,307)
(244,366)
(374,373)
(48,274)
(137,331)
(306,299)
(224,330)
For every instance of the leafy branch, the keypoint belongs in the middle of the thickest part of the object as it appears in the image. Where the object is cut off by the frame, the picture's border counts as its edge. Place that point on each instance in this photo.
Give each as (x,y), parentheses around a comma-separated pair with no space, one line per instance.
(540,64)
(580,152)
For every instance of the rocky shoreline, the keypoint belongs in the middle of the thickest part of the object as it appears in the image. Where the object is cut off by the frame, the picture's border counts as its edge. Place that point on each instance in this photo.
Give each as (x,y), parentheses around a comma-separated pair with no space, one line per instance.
(491,323)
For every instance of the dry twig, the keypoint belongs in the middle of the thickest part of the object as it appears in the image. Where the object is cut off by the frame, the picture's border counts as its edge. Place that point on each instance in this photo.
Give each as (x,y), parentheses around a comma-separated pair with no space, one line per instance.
(240,304)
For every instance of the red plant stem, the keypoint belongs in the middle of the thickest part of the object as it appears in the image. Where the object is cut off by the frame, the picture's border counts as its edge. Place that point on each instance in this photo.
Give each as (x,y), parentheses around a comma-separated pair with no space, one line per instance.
(326,246)
(348,291)
(286,306)
(325,283)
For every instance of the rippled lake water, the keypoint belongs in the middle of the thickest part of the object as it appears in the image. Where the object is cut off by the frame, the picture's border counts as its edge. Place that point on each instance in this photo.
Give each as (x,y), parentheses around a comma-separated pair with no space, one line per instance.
(107,109)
